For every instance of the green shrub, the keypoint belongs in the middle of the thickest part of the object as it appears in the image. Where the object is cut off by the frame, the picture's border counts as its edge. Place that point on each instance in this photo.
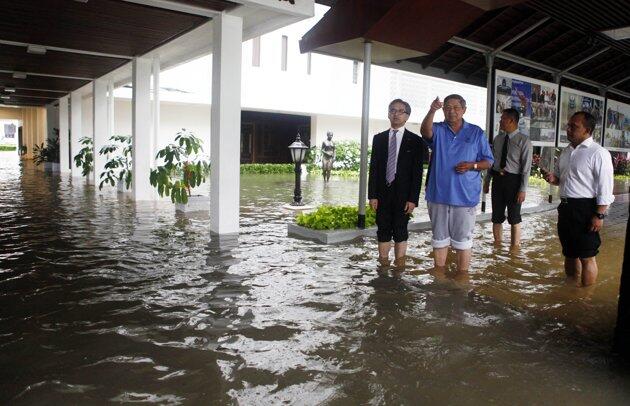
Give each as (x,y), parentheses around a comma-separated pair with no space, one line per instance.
(335,218)
(8,147)
(348,155)
(267,168)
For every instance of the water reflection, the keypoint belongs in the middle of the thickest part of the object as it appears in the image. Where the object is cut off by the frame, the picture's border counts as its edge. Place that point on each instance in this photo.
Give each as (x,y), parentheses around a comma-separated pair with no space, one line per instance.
(107,300)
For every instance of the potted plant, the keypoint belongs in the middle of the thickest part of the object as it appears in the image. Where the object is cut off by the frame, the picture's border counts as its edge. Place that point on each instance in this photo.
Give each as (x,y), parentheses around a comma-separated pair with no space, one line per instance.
(52,152)
(118,168)
(40,154)
(183,169)
(85,157)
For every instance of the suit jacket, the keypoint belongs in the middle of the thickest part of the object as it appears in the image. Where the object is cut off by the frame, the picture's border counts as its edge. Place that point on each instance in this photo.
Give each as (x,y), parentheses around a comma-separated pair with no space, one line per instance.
(408,167)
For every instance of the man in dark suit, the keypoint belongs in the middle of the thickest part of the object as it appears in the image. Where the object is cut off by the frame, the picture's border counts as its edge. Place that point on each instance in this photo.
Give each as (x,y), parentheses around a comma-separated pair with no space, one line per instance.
(394,182)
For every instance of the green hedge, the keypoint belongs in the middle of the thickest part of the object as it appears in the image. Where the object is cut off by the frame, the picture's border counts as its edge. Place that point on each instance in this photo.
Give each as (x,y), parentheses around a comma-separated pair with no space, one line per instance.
(267,168)
(335,218)
(8,148)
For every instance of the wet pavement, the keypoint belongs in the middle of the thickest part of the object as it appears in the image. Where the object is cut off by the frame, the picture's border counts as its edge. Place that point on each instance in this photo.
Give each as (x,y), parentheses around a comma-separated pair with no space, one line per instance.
(103,300)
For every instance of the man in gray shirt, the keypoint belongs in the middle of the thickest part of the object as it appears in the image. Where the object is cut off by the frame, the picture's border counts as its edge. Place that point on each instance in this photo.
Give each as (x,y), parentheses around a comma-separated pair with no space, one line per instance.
(512,152)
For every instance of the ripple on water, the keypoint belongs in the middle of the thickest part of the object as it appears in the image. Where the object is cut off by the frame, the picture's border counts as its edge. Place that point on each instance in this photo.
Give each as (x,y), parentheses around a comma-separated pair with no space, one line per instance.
(106,300)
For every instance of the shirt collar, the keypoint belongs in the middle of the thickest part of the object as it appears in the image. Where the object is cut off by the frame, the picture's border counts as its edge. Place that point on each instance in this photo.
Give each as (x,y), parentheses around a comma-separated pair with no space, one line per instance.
(400,130)
(513,133)
(586,143)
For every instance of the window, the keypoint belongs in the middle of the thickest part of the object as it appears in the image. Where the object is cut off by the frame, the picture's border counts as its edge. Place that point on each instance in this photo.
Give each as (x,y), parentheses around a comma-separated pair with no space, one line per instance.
(308,63)
(355,71)
(285,46)
(256,52)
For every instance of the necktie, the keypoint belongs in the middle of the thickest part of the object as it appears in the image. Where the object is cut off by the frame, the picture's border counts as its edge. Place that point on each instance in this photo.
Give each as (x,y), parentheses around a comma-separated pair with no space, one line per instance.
(504,152)
(390,174)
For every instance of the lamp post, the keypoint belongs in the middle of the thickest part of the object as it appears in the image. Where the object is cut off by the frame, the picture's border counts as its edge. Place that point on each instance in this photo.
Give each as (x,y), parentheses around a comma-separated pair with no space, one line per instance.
(298,152)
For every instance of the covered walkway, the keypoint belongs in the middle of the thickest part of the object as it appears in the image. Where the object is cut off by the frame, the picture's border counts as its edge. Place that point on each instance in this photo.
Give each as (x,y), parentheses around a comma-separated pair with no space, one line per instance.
(74,50)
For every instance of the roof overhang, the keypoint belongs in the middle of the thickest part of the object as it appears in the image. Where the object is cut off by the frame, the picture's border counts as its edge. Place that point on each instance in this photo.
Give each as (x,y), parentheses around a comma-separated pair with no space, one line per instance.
(397,29)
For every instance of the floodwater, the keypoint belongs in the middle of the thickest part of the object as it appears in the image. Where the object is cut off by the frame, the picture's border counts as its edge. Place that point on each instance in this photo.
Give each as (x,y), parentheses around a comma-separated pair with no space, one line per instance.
(106,301)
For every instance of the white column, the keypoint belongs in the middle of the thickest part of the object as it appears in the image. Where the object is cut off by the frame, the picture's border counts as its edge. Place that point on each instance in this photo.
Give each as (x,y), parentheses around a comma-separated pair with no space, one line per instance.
(155,108)
(225,124)
(365,126)
(64,136)
(75,130)
(110,108)
(100,126)
(141,129)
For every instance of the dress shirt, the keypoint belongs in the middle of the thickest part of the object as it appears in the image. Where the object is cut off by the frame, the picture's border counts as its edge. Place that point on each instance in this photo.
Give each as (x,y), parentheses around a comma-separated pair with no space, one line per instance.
(586,172)
(399,137)
(519,156)
(445,185)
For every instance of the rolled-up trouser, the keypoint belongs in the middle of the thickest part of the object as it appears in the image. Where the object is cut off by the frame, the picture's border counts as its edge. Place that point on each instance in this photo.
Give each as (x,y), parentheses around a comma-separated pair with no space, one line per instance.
(451,225)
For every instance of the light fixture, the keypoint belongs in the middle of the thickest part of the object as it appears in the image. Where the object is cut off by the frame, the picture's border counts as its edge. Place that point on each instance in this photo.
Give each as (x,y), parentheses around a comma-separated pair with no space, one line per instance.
(298,153)
(9,89)
(36,49)
(618,34)
(4,97)
(19,75)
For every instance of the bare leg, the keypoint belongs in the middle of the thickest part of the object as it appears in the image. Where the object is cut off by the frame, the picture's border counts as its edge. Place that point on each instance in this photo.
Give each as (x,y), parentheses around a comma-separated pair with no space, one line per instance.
(589,271)
(516,235)
(400,250)
(497,231)
(383,253)
(439,256)
(573,270)
(463,260)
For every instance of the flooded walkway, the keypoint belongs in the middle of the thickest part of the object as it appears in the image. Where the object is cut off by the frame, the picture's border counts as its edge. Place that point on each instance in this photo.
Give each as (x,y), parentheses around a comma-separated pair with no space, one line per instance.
(103,300)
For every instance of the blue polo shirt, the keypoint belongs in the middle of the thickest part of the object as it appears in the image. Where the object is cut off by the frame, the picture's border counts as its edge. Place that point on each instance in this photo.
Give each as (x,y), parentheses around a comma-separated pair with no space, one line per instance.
(445,185)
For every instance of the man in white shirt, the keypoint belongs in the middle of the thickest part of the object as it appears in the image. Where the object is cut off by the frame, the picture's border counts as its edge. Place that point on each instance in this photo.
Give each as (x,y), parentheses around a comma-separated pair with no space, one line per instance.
(584,173)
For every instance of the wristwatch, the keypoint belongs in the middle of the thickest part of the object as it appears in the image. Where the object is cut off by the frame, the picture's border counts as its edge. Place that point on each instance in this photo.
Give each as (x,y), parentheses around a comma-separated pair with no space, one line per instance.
(600,216)
(475,166)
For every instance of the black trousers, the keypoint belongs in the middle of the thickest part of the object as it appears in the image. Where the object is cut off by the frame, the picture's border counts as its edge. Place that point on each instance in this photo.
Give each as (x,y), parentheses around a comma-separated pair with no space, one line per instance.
(574,222)
(391,219)
(504,191)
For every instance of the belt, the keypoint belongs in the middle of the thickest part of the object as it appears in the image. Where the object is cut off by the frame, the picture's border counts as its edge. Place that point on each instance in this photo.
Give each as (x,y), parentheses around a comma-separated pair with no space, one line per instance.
(503,172)
(567,200)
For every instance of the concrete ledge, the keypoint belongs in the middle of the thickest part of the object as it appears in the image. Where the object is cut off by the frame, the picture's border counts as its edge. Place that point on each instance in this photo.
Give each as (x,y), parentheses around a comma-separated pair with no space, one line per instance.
(337,236)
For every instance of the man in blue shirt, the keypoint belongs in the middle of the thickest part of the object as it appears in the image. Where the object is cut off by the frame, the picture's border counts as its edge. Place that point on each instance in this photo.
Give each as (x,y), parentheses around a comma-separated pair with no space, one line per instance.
(459,151)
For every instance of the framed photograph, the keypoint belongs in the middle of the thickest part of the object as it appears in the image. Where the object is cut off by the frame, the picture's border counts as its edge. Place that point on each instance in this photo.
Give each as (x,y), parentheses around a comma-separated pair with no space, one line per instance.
(536,101)
(617,126)
(572,101)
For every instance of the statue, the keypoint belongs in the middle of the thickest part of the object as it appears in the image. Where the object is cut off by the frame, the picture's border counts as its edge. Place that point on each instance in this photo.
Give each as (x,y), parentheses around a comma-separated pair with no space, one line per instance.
(328,156)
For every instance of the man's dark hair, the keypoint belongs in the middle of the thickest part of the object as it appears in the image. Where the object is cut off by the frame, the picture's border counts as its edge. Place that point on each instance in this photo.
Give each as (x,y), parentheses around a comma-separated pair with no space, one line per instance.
(457,97)
(587,119)
(512,113)
(401,101)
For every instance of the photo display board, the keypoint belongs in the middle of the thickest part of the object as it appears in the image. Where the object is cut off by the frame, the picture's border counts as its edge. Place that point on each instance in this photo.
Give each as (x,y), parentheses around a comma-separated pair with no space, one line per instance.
(536,100)
(572,101)
(617,130)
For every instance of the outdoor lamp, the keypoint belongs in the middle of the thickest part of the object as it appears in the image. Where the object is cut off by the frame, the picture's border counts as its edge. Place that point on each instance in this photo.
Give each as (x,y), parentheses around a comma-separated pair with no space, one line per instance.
(298,152)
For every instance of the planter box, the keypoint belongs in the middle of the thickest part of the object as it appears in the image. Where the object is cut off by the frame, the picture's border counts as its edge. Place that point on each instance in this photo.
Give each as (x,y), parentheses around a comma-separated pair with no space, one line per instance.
(195,204)
(338,236)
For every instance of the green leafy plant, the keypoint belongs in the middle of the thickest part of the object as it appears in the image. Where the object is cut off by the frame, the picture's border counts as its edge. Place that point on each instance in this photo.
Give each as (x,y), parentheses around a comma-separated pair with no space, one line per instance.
(335,218)
(39,154)
(118,167)
(48,152)
(267,168)
(85,157)
(52,147)
(183,169)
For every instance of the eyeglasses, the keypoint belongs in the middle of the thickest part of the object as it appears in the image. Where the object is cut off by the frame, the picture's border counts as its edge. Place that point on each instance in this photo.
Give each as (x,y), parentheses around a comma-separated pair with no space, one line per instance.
(454,108)
(394,111)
